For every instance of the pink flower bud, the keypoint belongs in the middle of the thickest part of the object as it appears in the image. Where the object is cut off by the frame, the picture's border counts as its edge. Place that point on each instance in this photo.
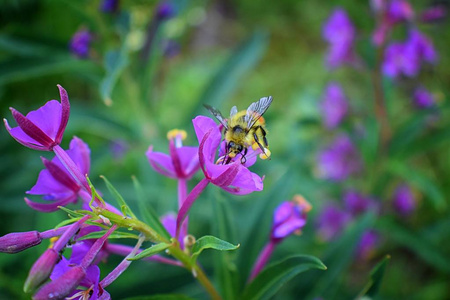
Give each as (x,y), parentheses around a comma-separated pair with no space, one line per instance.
(19,241)
(62,286)
(41,269)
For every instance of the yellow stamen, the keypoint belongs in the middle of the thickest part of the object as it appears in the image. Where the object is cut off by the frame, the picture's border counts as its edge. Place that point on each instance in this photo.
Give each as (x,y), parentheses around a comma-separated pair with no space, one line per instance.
(301,201)
(53,241)
(176,133)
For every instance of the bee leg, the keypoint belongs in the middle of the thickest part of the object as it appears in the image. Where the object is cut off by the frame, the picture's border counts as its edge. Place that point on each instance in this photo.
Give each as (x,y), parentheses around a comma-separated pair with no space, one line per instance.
(264,133)
(243,158)
(255,136)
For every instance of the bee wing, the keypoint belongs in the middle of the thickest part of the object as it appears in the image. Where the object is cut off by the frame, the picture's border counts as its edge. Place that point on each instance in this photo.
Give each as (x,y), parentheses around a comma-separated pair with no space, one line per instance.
(233,111)
(217,114)
(256,110)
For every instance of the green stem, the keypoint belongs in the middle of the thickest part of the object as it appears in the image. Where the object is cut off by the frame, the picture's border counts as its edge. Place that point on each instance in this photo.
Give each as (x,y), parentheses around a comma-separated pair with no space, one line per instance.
(184,258)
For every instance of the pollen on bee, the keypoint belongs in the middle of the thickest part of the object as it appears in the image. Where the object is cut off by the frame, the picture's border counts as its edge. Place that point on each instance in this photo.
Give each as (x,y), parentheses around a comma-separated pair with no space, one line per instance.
(176,133)
(265,155)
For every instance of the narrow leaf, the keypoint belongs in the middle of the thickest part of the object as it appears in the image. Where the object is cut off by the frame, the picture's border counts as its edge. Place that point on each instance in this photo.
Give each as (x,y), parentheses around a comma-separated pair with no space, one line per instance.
(122,204)
(210,242)
(155,249)
(376,276)
(115,62)
(416,243)
(114,235)
(272,278)
(148,213)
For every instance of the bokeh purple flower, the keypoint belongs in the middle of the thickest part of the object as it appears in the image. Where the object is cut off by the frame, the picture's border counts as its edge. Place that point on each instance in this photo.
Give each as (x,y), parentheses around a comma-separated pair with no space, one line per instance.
(42,129)
(434,13)
(404,200)
(56,184)
(80,43)
(406,58)
(398,11)
(332,221)
(182,161)
(357,203)
(165,10)
(423,98)
(339,160)
(334,105)
(339,32)
(169,222)
(367,245)
(109,6)
(289,217)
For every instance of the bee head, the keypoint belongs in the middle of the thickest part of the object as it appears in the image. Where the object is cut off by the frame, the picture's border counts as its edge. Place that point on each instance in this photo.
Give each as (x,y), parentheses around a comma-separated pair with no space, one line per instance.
(234,149)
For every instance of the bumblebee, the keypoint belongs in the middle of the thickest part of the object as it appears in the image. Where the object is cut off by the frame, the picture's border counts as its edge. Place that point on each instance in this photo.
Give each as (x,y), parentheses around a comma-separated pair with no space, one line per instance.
(244,129)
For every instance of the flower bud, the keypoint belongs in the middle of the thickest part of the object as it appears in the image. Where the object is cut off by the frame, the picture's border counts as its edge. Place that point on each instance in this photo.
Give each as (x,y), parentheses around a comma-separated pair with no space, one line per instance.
(41,269)
(19,241)
(62,286)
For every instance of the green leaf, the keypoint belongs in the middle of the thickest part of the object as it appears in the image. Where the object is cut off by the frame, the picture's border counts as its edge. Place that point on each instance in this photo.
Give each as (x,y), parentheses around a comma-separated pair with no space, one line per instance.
(210,242)
(416,243)
(114,235)
(419,180)
(22,69)
(337,257)
(376,276)
(148,213)
(233,71)
(122,204)
(115,62)
(155,249)
(272,278)
(75,214)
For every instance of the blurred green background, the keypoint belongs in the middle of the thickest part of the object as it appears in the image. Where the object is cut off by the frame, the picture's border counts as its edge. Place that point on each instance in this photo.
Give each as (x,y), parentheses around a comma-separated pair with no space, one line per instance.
(227,53)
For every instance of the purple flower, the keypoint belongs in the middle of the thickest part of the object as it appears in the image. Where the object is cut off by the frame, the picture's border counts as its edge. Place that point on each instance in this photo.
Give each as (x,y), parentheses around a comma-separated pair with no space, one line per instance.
(419,44)
(165,10)
(235,177)
(56,184)
(42,129)
(331,221)
(339,32)
(423,98)
(392,13)
(109,6)
(334,105)
(169,221)
(367,245)
(80,43)
(399,11)
(406,58)
(339,160)
(289,217)
(434,14)
(404,200)
(357,203)
(182,161)
(399,59)
(19,241)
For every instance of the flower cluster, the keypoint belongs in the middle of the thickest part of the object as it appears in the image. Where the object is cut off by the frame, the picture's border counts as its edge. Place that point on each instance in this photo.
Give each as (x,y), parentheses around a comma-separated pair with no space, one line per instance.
(341,160)
(64,181)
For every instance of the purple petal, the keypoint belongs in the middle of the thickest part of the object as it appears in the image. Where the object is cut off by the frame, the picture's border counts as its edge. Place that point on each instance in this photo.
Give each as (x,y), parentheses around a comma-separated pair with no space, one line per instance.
(247,182)
(32,130)
(189,160)
(51,207)
(65,105)
(47,118)
(80,153)
(47,184)
(282,212)
(161,162)
(23,138)
(62,286)
(288,228)
(169,221)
